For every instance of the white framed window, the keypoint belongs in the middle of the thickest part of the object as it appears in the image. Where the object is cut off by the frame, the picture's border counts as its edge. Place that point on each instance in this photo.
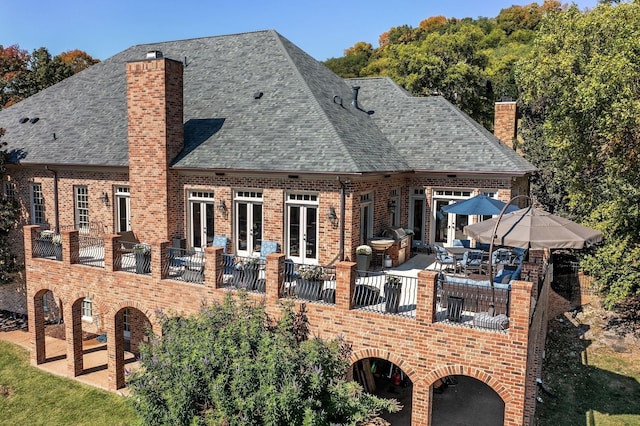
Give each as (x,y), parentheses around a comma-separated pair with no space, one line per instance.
(248,219)
(126,323)
(37,204)
(87,310)
(81,197)
(394,208)
(366,217)
(201,219)
(10,190)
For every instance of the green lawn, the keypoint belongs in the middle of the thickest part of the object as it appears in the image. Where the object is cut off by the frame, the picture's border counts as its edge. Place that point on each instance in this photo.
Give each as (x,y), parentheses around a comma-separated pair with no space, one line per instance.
(593,384)
(33,397)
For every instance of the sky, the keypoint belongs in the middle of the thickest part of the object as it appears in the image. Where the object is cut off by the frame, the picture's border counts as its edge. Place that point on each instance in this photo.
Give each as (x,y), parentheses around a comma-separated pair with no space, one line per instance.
(324,29)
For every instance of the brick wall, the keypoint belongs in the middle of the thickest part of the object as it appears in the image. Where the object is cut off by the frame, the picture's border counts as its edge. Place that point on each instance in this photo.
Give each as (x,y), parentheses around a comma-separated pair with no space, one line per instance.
(423,348)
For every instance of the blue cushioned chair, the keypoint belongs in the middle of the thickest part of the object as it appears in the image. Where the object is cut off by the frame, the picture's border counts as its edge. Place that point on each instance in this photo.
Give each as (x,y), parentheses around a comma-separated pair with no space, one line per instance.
(471,261)
(443,259)
(267,248)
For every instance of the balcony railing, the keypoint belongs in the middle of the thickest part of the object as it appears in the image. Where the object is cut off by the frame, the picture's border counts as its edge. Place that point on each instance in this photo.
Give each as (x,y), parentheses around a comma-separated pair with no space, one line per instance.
(386,293)
(134,257)
(317,286)
(184,265)
(399,293)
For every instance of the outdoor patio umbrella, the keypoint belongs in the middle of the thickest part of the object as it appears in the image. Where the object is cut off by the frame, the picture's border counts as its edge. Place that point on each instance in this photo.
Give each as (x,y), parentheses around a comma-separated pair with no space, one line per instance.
(478,205)
(536,229)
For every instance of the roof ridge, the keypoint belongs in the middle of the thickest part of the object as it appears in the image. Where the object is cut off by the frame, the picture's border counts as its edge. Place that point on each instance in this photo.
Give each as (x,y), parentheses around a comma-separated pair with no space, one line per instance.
(307,88)
(479,129)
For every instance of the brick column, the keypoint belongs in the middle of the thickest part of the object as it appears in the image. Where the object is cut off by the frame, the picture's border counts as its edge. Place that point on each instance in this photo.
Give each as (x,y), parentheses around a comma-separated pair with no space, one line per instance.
(345,284)
(213,267)
(274,276)
(73,337)
(112,257)
(70,247)
(35,311)
(30,232)
(160,260)
(426,296)
(115,352)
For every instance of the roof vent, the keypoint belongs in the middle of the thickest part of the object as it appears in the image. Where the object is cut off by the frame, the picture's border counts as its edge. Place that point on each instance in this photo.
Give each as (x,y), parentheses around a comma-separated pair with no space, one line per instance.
(154,54)
(257,95)
(34,120)
(23,120)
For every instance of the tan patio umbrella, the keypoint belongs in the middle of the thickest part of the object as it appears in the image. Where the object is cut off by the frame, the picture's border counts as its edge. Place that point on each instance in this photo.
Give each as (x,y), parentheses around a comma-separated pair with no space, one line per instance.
(536,229)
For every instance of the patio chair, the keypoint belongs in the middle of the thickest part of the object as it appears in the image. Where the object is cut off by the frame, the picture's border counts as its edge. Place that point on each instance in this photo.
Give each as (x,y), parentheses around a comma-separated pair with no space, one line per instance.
(471,261)
(267,248)
(501,256)
(443,259)
(454,308)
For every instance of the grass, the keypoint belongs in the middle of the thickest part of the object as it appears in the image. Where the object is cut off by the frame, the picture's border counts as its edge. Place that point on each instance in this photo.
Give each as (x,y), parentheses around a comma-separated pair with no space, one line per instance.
(31,396)
(594,375)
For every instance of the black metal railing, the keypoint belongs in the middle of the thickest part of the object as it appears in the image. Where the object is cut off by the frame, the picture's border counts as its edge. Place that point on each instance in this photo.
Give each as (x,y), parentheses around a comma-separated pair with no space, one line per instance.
(313,283)
(134,257)
(48,245)
(185,265)
(91,251)
(475,298)
(244,272)
(386,293)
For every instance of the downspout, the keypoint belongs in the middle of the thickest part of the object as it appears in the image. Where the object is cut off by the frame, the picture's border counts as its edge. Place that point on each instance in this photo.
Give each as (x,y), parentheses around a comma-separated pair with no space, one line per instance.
(56,210)
(342,210)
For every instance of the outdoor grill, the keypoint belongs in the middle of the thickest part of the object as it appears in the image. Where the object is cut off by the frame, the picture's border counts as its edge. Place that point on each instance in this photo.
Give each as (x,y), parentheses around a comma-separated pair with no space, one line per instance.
(400,250)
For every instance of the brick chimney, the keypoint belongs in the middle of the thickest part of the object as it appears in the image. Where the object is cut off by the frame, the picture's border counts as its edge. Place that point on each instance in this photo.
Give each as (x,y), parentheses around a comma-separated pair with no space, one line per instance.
(504,122)
(156,137)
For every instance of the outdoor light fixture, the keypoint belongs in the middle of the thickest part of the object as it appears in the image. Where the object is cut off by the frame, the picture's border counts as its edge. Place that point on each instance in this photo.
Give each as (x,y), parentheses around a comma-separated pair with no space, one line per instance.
(222,207)
(332,217)
(105,199)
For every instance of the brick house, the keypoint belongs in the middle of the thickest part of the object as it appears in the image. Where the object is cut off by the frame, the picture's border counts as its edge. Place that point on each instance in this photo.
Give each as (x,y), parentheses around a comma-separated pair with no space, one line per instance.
(247,137)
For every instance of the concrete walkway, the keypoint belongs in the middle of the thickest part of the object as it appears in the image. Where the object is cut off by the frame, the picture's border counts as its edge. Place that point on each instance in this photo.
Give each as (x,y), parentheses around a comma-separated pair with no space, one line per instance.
(94,359)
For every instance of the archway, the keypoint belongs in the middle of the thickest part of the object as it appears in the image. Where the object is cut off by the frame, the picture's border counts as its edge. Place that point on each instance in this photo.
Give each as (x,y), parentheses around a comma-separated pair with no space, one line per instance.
(465,400)
(46,319)
(384,378)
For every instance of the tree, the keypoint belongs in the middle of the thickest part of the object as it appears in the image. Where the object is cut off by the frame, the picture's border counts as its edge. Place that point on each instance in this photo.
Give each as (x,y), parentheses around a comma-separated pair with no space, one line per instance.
(13,65)
(232,364)
(355,58)
(77,60)
(9,215)
(22,74)
(581,126)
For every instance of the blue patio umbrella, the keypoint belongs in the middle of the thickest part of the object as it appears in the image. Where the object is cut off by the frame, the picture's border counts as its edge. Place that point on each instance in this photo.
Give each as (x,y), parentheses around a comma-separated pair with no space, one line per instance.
(478,205)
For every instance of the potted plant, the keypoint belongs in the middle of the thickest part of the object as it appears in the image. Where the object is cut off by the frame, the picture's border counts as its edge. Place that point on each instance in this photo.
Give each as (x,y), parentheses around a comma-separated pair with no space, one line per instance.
(143,258)
(363,257)
(392,292)
(310,281)
(56,241)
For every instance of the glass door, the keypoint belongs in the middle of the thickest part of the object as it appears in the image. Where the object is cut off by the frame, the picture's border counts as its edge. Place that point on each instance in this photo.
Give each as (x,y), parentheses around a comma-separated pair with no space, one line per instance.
(201,229)
(123,210)
(302,232)
(248,223)
(417,214)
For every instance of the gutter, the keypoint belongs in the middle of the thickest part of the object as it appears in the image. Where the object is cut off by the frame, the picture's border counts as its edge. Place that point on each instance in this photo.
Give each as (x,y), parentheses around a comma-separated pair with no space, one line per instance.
(56,209)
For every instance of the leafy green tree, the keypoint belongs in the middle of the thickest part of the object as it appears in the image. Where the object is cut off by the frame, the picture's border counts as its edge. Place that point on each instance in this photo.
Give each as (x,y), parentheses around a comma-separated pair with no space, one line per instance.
(354,60)
(13,65)
(9,215)
(232,364)
(581,116)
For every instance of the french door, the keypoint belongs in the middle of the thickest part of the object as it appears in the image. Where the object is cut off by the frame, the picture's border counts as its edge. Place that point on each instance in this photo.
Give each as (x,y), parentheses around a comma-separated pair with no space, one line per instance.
(448,226)
(417,209)
(302,228)
(201,214)
(123,209)
(248,222)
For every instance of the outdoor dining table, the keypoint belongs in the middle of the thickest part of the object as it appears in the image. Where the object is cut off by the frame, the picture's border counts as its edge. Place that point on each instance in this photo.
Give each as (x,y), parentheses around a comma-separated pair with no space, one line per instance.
(457,252)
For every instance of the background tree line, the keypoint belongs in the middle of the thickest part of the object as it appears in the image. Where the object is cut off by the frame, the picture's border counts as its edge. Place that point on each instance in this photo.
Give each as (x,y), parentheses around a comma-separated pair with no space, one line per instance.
(23,74)
(576,77)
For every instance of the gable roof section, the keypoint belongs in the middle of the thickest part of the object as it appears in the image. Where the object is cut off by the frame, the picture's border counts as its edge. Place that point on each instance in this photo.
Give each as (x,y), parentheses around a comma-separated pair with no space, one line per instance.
(435,136)
(294,127)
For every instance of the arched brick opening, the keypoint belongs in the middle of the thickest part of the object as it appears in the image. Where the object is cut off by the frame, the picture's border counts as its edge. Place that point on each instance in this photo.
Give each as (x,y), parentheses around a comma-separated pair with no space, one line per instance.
(392,377)
(466,392)
(136,318)
(38,319)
